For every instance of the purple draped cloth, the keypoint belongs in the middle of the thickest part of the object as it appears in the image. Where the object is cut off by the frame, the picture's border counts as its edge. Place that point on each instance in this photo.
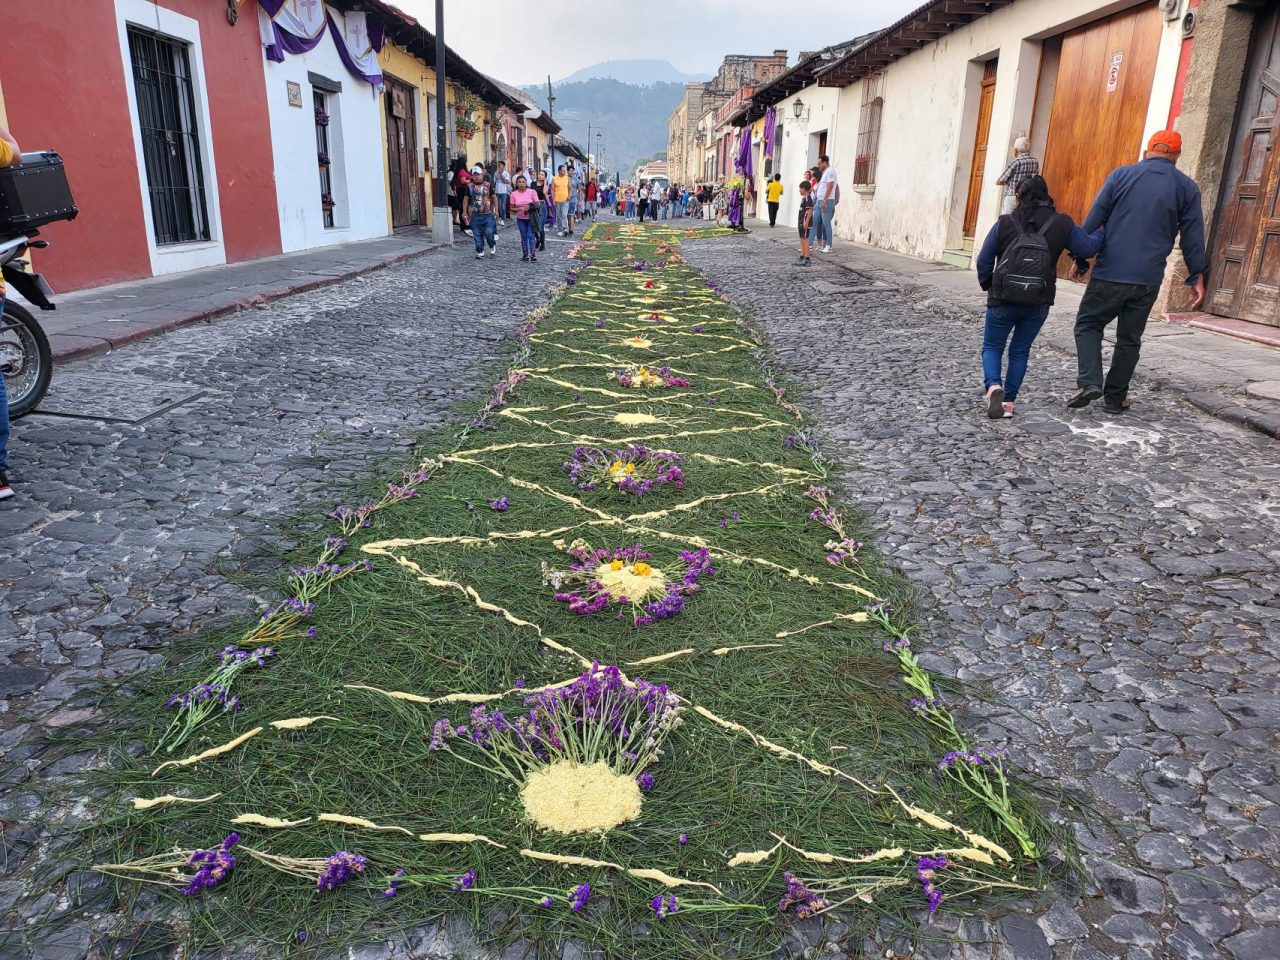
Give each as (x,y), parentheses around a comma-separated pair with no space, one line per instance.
(770,122)
(286,42)
(735,207)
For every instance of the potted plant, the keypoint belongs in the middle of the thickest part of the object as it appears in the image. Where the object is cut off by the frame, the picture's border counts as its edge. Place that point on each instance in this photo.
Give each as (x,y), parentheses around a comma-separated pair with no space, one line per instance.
(326,202)
(322,118)
(466,127)
(323,159)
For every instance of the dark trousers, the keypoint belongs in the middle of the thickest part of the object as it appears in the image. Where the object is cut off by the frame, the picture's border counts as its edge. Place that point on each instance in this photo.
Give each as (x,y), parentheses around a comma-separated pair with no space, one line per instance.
(773,214)
(643,207)
(1103,302)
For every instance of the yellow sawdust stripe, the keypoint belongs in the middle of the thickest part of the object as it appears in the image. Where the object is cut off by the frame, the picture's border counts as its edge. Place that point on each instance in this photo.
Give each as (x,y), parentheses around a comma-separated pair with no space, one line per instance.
(384,547)
(721,651)
(938,823)
(885,853)
(529,485)
(393,694)
(641,873)
(768,465)
(297,723)
(661,657)
(274,823)
(360,822)
(710,498)
(145,803)
(459,697)
(459,838)
(483,604)
(702,378)
(858,617)
(210,753)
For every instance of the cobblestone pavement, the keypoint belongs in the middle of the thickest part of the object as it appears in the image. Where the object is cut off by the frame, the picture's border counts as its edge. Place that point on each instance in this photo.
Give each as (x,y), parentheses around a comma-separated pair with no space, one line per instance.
(121,531)
(1115,581)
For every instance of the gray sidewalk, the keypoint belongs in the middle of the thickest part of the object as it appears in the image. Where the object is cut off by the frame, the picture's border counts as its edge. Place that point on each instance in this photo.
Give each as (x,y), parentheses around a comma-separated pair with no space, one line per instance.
(1221,375)
(95,321)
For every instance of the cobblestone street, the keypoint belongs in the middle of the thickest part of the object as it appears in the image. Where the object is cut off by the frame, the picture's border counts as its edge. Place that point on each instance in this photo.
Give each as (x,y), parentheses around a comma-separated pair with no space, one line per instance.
(1113,579)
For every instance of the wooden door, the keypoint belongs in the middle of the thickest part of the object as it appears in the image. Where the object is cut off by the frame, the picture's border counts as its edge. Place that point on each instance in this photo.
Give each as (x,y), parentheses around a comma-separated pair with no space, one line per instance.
(1244,274)
(980,137)
(402,154)
(1099,104)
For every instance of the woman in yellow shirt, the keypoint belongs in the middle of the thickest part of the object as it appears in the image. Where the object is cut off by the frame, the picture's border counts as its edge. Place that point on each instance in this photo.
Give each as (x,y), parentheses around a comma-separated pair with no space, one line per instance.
(772,196)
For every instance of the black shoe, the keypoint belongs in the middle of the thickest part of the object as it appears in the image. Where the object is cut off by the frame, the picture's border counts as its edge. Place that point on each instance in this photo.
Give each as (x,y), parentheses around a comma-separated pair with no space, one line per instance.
(1115,407)
(1084,397)
(6,491)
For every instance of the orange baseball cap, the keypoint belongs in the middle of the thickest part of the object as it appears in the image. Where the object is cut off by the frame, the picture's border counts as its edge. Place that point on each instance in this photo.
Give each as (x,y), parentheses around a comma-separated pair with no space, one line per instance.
(1165,141)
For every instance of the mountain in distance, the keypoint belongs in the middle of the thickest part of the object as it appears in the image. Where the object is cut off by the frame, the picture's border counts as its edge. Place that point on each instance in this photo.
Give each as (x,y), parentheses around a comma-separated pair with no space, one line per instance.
(639,72)
(631,118)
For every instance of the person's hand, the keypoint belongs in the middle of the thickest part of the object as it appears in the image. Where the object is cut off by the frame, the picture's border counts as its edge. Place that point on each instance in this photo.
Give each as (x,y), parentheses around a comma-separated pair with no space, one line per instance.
(1075,275)
(1197,293)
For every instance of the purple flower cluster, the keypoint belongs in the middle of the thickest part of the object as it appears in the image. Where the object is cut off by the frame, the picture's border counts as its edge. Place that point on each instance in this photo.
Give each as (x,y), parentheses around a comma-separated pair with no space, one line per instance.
(570,278)
(233,655)
(340,868)
(896,644)
(593,597)
(354,517)
(826,516)
(599,324)
(214,693)
(881,611)
(211,866)
(465,882)
(334,545)
(978,757)
(842,551)
(628,378)
(926,705)
(802,439)
(579,897)
(697,328)
(639,265)
(806,902)
(645,780)
(725,521)
(546,902)
(498,504)
(393,885)
(591,468)
(926,872)
(663,907)
(401,492)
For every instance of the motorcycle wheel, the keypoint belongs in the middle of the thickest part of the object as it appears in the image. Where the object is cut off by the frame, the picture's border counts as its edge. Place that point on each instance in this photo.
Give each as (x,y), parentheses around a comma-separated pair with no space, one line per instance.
(25,358)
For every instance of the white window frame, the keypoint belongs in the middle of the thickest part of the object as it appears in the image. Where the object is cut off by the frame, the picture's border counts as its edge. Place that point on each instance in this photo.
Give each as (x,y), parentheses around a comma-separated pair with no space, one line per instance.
(173,258)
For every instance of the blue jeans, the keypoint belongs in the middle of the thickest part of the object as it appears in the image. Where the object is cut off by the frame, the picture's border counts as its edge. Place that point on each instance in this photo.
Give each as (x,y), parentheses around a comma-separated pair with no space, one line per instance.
(1024,323)
(504,200)
(528,236)
(820,231)
(4,414)
(484,230)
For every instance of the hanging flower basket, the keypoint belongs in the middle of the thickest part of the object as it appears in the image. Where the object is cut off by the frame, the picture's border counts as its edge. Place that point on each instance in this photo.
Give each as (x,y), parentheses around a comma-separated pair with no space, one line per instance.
(326,201)
(322,118)
(323,160)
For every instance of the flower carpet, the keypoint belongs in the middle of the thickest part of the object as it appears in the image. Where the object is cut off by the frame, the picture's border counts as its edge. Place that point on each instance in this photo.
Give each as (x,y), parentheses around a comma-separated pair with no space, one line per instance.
(608,665)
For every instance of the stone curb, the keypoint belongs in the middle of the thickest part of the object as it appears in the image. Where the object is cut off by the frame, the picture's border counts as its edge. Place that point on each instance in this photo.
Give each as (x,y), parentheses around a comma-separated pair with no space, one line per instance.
(101,345)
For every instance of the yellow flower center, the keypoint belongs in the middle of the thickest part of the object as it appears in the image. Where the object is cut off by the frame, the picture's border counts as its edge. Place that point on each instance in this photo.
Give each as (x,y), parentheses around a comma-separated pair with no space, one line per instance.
(642,569)
(616,565)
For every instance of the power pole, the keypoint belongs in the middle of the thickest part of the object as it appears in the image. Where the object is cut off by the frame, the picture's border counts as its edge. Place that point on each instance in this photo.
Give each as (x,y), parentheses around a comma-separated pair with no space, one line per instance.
(551,112)
(442,219)
(588,149)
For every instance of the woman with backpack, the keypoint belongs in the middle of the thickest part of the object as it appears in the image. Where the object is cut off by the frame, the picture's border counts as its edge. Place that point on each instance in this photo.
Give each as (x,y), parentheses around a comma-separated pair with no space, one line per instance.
(1018,267)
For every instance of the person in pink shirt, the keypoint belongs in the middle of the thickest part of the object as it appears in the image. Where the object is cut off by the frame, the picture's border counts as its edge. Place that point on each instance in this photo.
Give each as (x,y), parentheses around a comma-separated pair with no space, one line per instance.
(523,200)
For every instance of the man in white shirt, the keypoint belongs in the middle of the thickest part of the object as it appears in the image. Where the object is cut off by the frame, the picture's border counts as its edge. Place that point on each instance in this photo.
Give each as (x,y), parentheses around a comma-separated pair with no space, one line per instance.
(824,207)
(502,188)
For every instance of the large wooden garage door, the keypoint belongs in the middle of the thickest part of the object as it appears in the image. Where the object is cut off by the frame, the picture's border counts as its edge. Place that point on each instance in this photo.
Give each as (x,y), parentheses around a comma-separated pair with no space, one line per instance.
(1244,272)
(1100,104)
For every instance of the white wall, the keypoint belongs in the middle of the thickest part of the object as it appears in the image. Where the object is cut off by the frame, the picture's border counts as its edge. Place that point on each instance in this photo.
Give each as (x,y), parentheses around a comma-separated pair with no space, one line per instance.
(929,117)
(355,147)
(798,143)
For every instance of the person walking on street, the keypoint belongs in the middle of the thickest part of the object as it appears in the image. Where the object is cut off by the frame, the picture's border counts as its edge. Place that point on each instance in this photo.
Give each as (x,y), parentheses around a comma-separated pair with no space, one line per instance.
(1022,166)
(655,198)
(1143,207)
(540,186)
(10,156)
(478,206)
(1018,267)
(592,193)
(773,197)
(560,187)
(524,202)
(502,189)
(805,223)
(642,199)
(824,204)
(575,195)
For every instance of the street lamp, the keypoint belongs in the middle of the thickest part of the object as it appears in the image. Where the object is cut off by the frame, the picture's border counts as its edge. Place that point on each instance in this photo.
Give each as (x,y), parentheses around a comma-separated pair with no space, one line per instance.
(797,108)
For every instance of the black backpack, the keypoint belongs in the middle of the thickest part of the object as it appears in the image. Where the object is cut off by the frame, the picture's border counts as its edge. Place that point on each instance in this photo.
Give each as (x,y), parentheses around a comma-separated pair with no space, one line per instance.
(1027,271)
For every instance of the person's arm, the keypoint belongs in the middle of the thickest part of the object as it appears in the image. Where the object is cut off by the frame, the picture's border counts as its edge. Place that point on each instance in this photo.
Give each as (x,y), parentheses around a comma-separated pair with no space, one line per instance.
(1102,206)
(987,256)
(830,185)
(1008,172)
(1191,239)
(16,152)
(466,205)
(1084,246)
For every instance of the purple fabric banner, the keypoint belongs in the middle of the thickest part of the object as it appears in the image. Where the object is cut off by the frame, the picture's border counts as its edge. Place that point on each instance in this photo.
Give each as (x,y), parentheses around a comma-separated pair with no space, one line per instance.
(277,41)
(770,121)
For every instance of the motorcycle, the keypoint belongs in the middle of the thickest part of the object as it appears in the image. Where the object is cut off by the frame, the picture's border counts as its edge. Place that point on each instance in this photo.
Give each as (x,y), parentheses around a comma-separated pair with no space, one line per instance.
(26,362)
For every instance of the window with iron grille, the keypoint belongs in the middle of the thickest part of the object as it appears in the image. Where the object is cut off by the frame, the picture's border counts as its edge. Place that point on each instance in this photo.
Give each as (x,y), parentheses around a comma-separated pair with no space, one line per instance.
(864,163)
(170,136)
(321,102)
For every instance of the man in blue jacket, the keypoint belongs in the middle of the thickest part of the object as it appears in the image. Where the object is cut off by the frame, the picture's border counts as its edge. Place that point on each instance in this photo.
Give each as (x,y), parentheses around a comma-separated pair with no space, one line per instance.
(1143,207)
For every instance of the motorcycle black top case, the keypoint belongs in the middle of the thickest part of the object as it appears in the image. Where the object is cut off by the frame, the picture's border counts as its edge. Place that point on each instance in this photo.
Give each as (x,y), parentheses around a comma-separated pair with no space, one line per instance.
(34,193)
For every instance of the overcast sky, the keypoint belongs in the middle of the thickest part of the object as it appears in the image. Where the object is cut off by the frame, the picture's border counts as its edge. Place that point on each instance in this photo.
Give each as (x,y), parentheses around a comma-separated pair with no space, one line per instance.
(521,42)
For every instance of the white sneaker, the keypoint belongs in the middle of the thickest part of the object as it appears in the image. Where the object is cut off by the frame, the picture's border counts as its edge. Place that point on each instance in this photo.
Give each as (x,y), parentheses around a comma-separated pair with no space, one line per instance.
(826,249)
(493,251)
(480,255)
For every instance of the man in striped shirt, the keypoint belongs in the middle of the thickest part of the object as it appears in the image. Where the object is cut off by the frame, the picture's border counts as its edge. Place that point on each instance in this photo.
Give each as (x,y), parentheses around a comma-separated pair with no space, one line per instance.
(1023,166)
